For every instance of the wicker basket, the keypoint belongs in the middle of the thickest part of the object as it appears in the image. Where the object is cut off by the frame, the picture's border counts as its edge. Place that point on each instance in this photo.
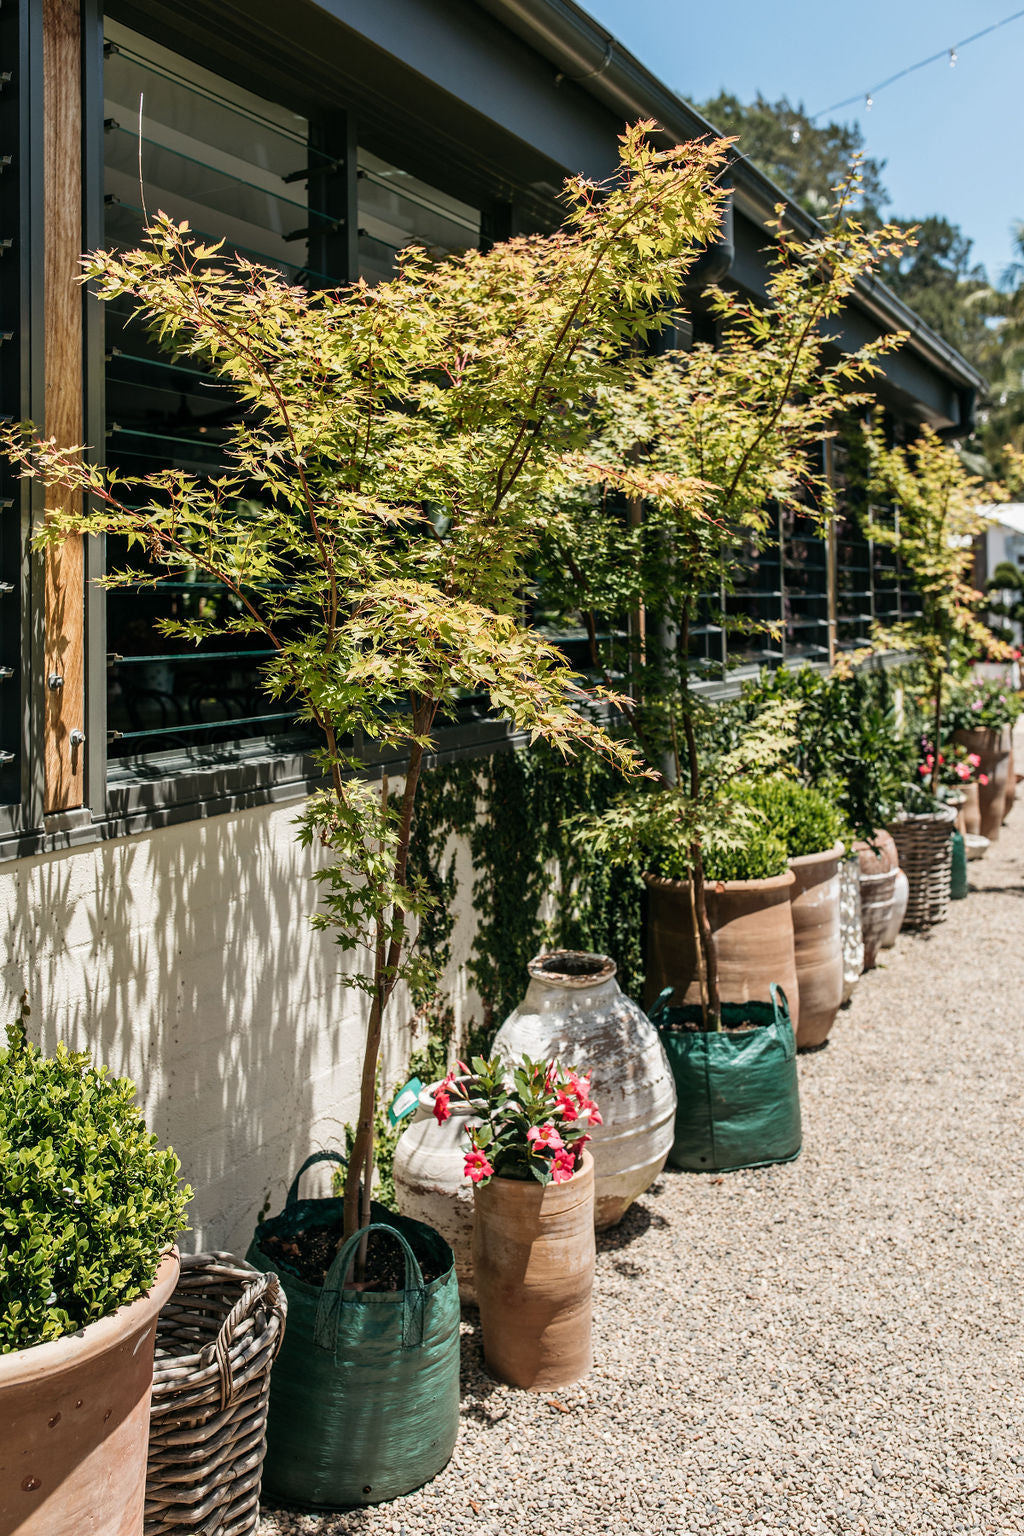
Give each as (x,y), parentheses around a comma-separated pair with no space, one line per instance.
(215,1344)
(925,848)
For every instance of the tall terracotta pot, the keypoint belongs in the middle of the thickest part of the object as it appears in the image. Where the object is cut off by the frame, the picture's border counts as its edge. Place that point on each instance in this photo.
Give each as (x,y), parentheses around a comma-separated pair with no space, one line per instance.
(1011,783)
(430,1180)
(900,897)
(574,1012)
(752,923)
(533,1262)
(818,951)
(74,1424)
(993,747)
(969,820)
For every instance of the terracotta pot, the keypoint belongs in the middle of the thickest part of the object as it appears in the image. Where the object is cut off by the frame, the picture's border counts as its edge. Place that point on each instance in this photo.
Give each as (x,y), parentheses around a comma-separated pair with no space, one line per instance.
(900,897)
(877,893)
(877,855)
(1011,783)
(574,1012)
(850,932)
(969,819)
(817,942)
(993,747)
(752,923)
(430,1182)
(74,1424)
(533,1259)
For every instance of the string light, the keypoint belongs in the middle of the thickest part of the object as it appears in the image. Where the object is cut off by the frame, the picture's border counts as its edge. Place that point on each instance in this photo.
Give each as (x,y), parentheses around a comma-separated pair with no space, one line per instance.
(949,54)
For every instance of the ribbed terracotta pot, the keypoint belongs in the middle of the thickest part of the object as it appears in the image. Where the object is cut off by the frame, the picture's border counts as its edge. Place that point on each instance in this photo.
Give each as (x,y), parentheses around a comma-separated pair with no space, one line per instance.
(533,1263)
(818,950)
(752,923)
(877,894)
(969,819)
(574,1012)
(430,1179)
(993,747)
(74,1424)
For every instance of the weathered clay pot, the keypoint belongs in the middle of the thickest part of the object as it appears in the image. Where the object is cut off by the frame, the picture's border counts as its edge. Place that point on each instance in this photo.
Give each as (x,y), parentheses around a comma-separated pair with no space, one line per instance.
(969,819)
(877,893)
(817,943)
(993,747)
(877,855)
(574,1012)
(752,923)
(900,897)
(74,1424)
(430,1181)
(533,1260)
(851,936)
(1011,783)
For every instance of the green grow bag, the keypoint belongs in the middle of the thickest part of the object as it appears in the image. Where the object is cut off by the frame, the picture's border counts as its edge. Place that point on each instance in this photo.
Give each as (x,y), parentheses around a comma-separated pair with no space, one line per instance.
(737,1096)
(364,1395)
(958,874)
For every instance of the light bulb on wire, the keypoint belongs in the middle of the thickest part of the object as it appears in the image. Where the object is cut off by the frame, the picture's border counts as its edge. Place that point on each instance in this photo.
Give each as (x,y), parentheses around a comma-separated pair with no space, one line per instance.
(952,58)
(869,102)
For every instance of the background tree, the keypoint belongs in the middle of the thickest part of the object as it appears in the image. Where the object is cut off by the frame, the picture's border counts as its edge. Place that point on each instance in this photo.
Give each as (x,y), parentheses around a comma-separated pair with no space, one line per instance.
(381,499)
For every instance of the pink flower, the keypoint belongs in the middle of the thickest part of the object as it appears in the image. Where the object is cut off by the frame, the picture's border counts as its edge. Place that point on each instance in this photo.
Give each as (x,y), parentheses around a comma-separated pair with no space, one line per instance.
(563,1167)
(982,778)
(974,759)
(442,1100)
(963,771)
(924,770)
(545,1137)
(477,1167)
(568,1108)
(590,1109)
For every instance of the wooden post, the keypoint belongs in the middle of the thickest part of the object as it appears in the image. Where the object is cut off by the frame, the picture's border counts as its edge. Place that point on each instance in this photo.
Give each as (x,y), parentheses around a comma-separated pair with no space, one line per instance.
(64,644)
(831,599)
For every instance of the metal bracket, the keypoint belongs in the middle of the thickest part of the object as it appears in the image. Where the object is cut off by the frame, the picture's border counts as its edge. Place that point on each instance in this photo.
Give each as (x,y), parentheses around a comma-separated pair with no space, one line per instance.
(55,682)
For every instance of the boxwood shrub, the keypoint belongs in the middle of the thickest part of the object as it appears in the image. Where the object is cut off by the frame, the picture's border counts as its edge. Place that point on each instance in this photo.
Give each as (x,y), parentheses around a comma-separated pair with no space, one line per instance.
(89,1201)
(762,856)
(804,819)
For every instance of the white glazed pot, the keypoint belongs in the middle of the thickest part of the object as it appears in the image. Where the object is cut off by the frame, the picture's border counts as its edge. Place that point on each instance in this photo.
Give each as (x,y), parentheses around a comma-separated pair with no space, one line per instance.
(900,897)
(574,1012)
(430,1184)
(850,924)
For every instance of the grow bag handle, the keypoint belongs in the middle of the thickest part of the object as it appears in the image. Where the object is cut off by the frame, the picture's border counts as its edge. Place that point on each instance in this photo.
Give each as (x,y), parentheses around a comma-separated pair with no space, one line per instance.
(314,1157)
(661,1004)
(332,1297)
(780,1002)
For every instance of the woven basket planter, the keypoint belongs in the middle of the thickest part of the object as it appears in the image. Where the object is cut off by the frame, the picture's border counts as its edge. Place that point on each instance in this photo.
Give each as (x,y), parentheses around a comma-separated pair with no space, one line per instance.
(926,858)
(215,1344)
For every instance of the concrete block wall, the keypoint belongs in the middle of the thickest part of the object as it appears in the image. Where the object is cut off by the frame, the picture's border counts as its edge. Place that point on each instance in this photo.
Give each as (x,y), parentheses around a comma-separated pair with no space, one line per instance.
(184,959)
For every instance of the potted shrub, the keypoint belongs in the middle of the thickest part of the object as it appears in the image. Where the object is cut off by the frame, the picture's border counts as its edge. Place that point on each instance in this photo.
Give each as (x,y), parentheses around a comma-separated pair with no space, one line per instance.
(91,1208)
(533,1228)
(374,526)
(811,829)
(981,719)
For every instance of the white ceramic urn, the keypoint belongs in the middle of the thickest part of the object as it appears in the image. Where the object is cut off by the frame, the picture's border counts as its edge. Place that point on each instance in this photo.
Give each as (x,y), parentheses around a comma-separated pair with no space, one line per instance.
(574,1012)
(430,1184)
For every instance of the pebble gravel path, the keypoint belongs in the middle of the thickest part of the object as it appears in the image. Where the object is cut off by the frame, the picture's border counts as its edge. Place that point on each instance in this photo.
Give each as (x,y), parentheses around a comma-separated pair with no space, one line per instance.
(834,1345)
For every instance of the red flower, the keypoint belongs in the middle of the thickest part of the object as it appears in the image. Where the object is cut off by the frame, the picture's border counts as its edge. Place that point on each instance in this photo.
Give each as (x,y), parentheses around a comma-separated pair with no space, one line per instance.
(477,1167)
(590,1109)
(442,1101)
(569,1110)
(982,778)
(563,1167)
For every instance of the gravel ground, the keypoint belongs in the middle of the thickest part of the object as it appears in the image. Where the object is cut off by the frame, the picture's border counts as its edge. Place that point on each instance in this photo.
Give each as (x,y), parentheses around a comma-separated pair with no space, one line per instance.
(834,1345)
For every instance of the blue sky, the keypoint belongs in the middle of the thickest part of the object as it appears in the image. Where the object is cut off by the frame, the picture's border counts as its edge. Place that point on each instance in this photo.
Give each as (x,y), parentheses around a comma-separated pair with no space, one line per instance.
(952,139)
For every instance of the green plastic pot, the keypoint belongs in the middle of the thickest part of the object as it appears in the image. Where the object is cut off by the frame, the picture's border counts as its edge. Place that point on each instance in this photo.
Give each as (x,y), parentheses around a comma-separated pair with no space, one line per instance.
(364,1395)
(958,873)
(737,1094)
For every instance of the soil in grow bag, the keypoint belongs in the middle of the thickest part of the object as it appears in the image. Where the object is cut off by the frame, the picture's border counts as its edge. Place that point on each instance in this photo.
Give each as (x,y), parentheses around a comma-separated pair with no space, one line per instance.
(737,1094)
(309,1253)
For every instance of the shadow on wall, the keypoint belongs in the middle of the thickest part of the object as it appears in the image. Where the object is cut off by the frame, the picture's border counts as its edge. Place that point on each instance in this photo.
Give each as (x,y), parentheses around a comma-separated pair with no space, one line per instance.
(185,960)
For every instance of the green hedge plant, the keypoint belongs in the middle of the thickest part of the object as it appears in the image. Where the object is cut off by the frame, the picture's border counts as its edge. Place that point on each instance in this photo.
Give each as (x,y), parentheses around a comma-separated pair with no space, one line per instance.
(803,819)
(90,1202)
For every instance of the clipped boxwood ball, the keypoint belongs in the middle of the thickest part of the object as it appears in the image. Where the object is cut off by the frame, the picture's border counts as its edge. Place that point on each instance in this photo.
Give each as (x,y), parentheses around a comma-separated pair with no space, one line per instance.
(762,858)
(89,1200)
(804,819)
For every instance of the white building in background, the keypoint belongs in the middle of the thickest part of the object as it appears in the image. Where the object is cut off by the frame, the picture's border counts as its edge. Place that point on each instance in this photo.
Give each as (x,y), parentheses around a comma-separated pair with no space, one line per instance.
(1003,539)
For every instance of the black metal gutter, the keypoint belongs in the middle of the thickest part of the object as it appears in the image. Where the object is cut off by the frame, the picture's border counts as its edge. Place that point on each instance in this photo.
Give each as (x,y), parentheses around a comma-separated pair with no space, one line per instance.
(586,54)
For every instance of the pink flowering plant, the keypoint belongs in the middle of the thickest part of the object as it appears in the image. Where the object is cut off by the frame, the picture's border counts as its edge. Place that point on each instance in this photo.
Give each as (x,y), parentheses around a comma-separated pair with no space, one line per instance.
(534,1118)
(956,766)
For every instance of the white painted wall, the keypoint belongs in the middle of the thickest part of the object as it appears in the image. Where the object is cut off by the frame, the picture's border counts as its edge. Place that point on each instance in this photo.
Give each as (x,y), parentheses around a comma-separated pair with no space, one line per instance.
(185,960)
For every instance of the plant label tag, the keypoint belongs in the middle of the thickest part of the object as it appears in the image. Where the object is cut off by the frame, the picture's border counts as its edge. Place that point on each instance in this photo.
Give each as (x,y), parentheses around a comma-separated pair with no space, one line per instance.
(405,1100)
